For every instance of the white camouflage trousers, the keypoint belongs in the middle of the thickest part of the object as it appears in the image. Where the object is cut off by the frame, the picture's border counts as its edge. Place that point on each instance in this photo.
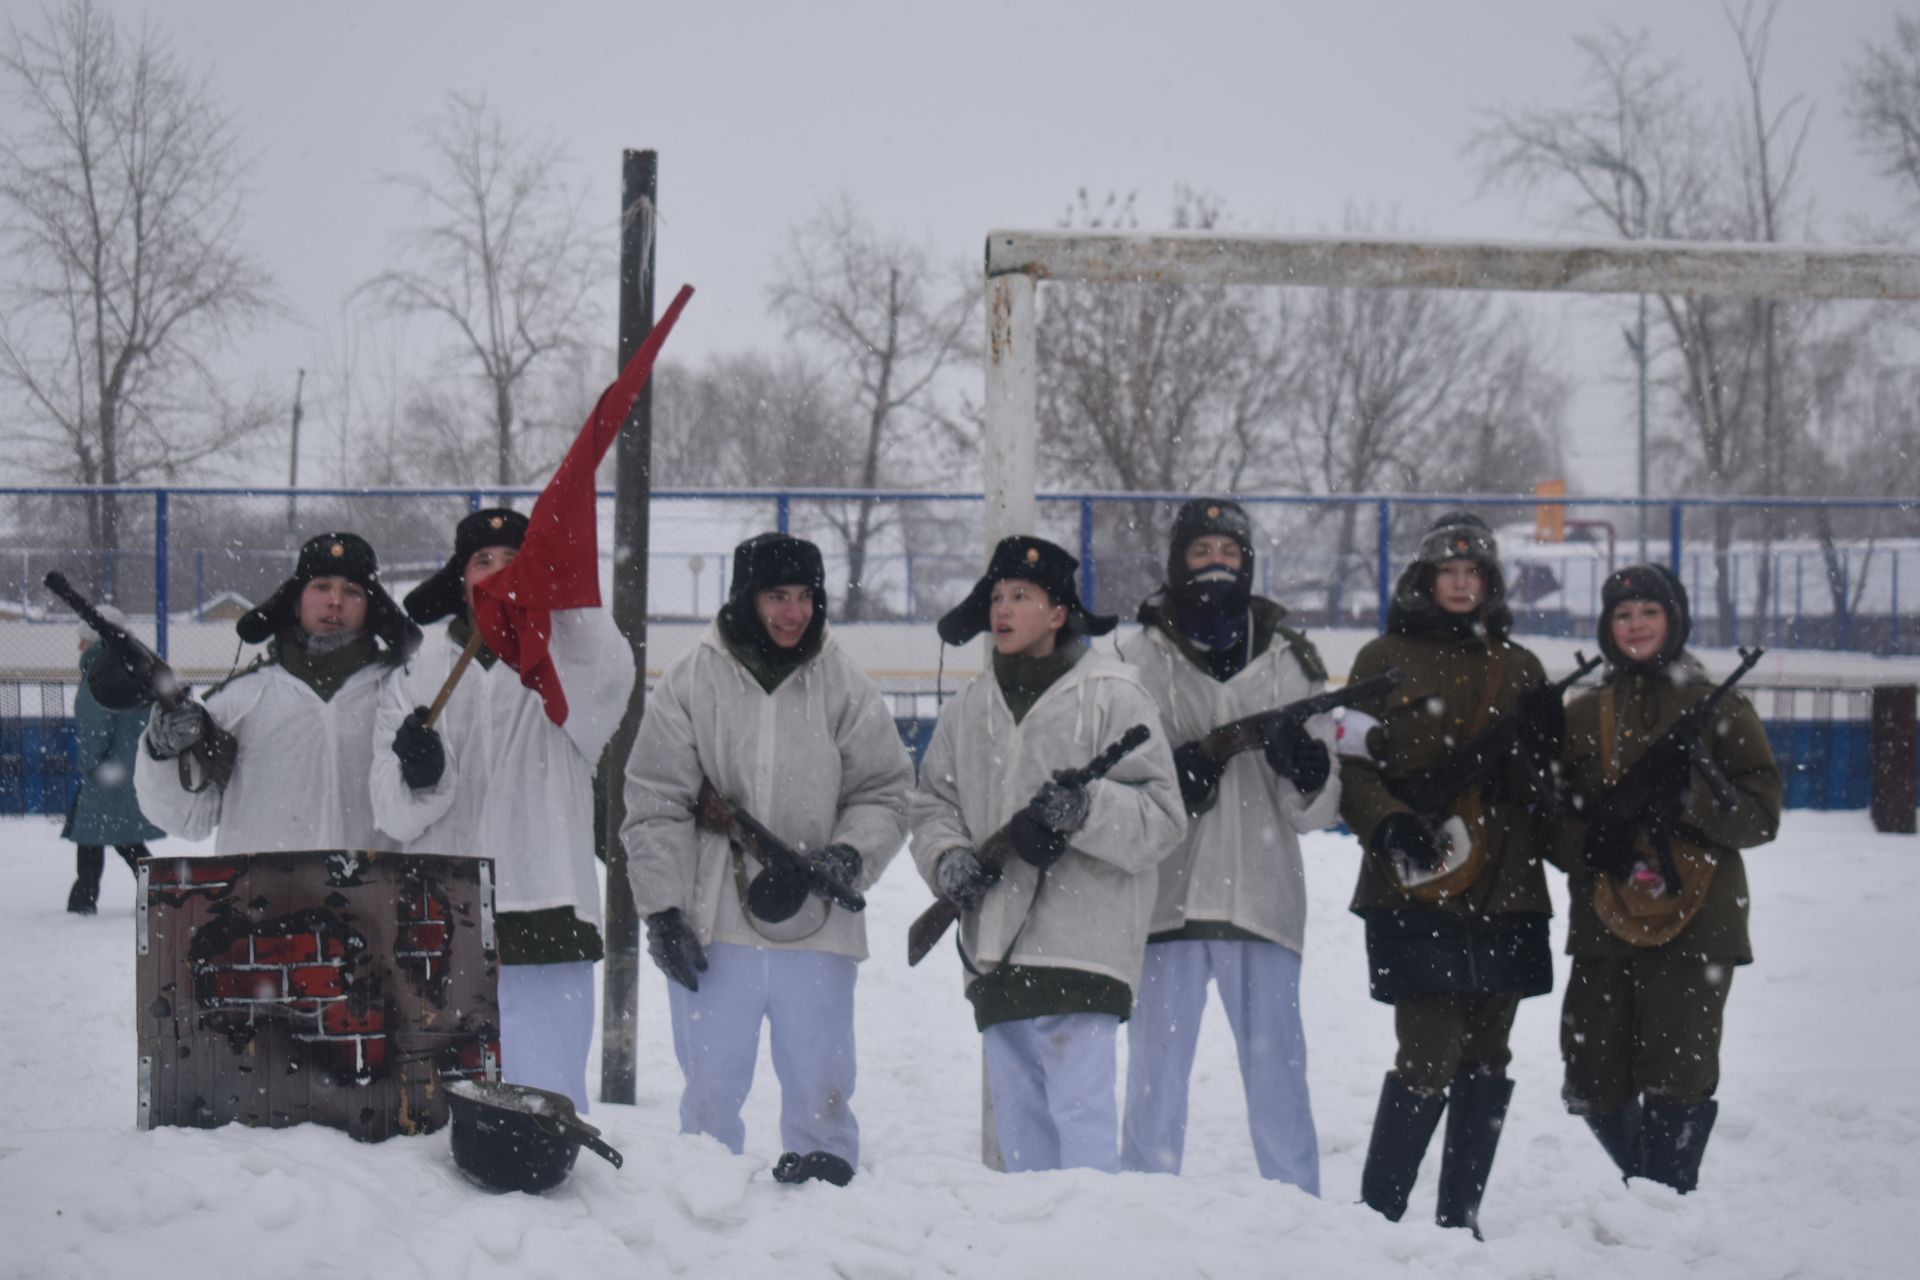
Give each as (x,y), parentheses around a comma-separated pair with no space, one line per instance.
(1260,987)
(546,1026)
(1052,1081)
(806,998)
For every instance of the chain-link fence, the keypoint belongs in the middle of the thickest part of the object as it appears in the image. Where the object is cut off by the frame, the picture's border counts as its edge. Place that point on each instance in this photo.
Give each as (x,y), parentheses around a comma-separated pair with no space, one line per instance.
(1830,582)
(1832,574)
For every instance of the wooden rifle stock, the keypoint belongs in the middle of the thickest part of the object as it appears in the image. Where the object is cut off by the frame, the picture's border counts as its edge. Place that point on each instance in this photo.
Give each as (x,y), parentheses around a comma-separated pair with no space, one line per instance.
(932,924)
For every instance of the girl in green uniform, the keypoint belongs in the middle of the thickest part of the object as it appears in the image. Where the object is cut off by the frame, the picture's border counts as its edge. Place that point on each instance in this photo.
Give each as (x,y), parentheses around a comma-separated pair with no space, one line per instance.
(1654,939)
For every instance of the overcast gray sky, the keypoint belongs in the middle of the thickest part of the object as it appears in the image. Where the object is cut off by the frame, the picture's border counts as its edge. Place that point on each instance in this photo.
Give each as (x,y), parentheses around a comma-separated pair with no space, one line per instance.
(942,120)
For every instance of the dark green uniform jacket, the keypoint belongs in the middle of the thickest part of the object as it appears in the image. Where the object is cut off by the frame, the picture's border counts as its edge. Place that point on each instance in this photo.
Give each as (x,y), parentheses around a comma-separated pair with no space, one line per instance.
(1493,936)
(1645,705)
(105,810)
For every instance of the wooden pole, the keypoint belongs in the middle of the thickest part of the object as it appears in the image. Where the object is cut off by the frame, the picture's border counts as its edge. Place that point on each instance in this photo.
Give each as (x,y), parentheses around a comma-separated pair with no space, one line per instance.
(460,665)
(1891,751)
(1007,464)
(633,483)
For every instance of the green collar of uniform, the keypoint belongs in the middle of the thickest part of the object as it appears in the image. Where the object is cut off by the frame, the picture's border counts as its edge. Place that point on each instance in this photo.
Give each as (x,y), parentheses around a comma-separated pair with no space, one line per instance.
(460,631)
(1265,615)
(769,667)
(1023,680)
(328,672)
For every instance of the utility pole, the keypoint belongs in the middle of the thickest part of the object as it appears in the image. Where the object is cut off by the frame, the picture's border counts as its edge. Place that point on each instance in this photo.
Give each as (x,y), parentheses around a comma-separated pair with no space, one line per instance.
(293,457)
(633,484)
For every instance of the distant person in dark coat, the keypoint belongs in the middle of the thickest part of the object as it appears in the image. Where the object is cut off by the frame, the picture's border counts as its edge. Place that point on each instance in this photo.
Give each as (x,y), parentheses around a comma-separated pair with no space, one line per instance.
(104,810)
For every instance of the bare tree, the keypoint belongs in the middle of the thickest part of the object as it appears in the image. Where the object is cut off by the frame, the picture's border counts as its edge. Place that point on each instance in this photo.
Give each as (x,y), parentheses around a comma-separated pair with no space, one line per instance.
(890,322)
(1883,101)
(744,418)
(1736,368)
(1190,388)
(123,186)
(1153,386)
(1156,387)
(360,392)
(1405,391)
(504,258)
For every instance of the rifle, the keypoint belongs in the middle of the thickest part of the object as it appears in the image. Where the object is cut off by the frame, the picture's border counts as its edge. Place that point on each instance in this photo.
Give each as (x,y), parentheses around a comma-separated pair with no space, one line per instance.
(1626,799)
(1223,742)
(933,923)
(714,812)
(1431,792)
(128,676)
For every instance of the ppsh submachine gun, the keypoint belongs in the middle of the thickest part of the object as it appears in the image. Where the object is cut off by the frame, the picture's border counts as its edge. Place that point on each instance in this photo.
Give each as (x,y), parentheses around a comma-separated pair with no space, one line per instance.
(130,676)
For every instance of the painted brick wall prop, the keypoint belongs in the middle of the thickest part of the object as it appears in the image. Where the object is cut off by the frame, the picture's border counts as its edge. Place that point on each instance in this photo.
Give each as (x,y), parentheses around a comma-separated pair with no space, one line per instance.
(336,987)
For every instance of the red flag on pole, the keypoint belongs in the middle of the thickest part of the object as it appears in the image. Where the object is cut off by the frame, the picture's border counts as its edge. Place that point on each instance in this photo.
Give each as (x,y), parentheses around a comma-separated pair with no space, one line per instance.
(559,562)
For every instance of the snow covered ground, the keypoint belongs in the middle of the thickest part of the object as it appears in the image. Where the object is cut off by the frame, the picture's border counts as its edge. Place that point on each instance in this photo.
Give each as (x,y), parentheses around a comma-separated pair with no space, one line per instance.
(1813,1171)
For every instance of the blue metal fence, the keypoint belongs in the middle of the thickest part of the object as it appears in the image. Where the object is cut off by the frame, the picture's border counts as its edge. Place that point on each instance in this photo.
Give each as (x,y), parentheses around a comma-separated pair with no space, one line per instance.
(1114,532)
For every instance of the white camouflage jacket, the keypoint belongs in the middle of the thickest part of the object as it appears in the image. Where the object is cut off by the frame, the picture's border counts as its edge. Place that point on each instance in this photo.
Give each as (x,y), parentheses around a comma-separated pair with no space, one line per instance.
(818,761)
(1240,862)
(300,778)
(518,788)
(1091,908)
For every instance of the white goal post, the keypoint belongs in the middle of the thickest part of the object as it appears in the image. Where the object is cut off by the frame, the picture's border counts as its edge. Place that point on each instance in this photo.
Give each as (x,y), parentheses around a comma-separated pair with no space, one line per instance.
(1018,261)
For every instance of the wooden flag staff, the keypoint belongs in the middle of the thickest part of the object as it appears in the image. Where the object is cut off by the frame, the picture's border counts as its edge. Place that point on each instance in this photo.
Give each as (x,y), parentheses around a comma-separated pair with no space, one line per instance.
(460,664)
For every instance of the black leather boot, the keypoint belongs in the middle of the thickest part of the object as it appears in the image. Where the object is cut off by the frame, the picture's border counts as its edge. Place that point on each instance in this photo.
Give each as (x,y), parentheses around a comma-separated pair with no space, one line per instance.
(84,898)
(823,1165)
(1673,1140)
(1403,1125)
(1476,1112)
(1619,1132)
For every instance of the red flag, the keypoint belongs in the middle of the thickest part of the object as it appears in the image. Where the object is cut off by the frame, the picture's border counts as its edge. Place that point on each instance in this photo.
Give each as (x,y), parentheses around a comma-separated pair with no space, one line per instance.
(559,562)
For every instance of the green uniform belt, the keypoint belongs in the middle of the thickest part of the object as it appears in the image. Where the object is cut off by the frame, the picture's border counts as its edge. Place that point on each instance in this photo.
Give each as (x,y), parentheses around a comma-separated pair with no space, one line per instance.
(1012,992)
(552,936)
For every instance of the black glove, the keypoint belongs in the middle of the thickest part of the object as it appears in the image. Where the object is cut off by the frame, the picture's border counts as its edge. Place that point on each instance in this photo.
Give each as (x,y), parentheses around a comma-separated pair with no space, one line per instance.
(839,863)
(675,947)
(1035,841)
(423,757)
(1060,808)
(1407,835)
(1299,757)
(1610,848)
(1199,775)
(1543,722)
(176,730)
(963,878)
(792,1167)
(1673,776)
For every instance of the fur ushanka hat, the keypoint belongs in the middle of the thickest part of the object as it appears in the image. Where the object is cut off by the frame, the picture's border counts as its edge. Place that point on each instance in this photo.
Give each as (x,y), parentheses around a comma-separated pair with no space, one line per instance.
(1210,517)
(1033,560)
(1651,582)
(333,555)
(445,593)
